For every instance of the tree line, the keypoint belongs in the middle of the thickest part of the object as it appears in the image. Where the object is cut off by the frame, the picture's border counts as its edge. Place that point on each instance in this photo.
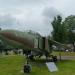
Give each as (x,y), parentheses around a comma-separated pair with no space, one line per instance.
(64,30)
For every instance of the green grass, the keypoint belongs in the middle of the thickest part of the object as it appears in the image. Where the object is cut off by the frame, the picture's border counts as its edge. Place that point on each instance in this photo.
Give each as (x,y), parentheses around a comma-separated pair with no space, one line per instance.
(13,65)
(64,53)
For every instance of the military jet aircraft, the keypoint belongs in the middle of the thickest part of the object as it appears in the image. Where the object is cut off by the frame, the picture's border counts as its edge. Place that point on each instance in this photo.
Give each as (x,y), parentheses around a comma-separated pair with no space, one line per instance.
(32,44)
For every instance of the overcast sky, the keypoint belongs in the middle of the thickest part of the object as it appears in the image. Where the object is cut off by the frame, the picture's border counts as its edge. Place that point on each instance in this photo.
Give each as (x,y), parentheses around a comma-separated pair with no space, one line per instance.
(33,15)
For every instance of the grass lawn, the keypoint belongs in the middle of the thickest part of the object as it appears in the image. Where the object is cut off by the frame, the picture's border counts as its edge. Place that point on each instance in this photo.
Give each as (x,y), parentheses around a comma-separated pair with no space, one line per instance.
(64,53)
(13,65)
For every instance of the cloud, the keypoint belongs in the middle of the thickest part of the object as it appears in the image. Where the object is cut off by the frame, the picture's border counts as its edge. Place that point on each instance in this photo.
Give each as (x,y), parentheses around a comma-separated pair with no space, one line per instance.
(7,21)
(30,20)
(48,15)
(19,3)
(51,12)
(33,15)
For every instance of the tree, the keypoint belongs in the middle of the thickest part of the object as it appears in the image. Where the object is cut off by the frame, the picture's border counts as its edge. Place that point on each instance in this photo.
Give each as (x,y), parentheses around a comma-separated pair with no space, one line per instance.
(1,46)
(0,29)
(70,22)
(70,26)
(59,30)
